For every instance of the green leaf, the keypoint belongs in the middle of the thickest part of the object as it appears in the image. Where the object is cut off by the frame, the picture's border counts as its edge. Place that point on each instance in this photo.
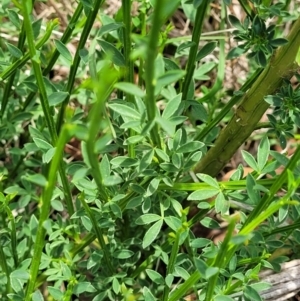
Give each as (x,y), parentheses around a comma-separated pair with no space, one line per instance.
(57,97)
(147,219)
(47,157)
(37,296)
(83,287)
(221,204)
(14,51)
(168,78)
(148,295)
(63,50)
(105,167)
(253,194)
(14,18)
(155,277)
(211,271)
(56,293)
(278,42)
(190,147)
(57,205)
(146,160)
(152,187)
(261,58)
(206,50)
(42,144)
(235,22)
(152,233)
(250,160)
(115,209)
(116,285)
(208,180)
(109,28)
(160,153)
(37,179)
(263,152)
(203,194)
(200,73)
(173,222)
(124,110)
(172,106)
(16,284)
(273,100)
(200,265)
(123,161)
(111,51)
(235,52)
(20,274)
(130,88)
(200,242)
(251,293)
(209,223)
(134,202)
(183,46)
(123,254)
(112,180)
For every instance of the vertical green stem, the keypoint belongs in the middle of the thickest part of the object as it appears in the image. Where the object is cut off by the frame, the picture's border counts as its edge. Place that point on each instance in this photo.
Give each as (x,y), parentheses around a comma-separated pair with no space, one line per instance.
(45,207)
(64,39)
(129,75)
(197,30)
(102,90)
(9,84)
(4,268)
(34,54)
(83,38)
(151,53)
(221,66)
(172,261)
(13,235)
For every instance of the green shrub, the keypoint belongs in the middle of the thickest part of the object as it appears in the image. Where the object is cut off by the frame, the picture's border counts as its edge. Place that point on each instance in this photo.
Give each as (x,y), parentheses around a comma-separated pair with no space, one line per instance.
(116,221)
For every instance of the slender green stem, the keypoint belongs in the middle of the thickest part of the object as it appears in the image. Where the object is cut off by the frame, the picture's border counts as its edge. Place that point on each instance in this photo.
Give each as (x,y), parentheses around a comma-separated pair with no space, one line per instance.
(129,75)
(45,206)
(221,66)
(83,38)
(172,261)
(219,262)
(22,61)
(9,84)
(64,39)
(151,53)
(13,235)
(225,185)
(99,234)
(181,291)
(84,243)
(4,268)
(142,18)
(34,54)
(102,90)
(197,30)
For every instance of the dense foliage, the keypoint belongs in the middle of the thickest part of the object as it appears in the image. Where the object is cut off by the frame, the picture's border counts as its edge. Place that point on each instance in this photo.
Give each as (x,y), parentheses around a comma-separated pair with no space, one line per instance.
(111,175)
